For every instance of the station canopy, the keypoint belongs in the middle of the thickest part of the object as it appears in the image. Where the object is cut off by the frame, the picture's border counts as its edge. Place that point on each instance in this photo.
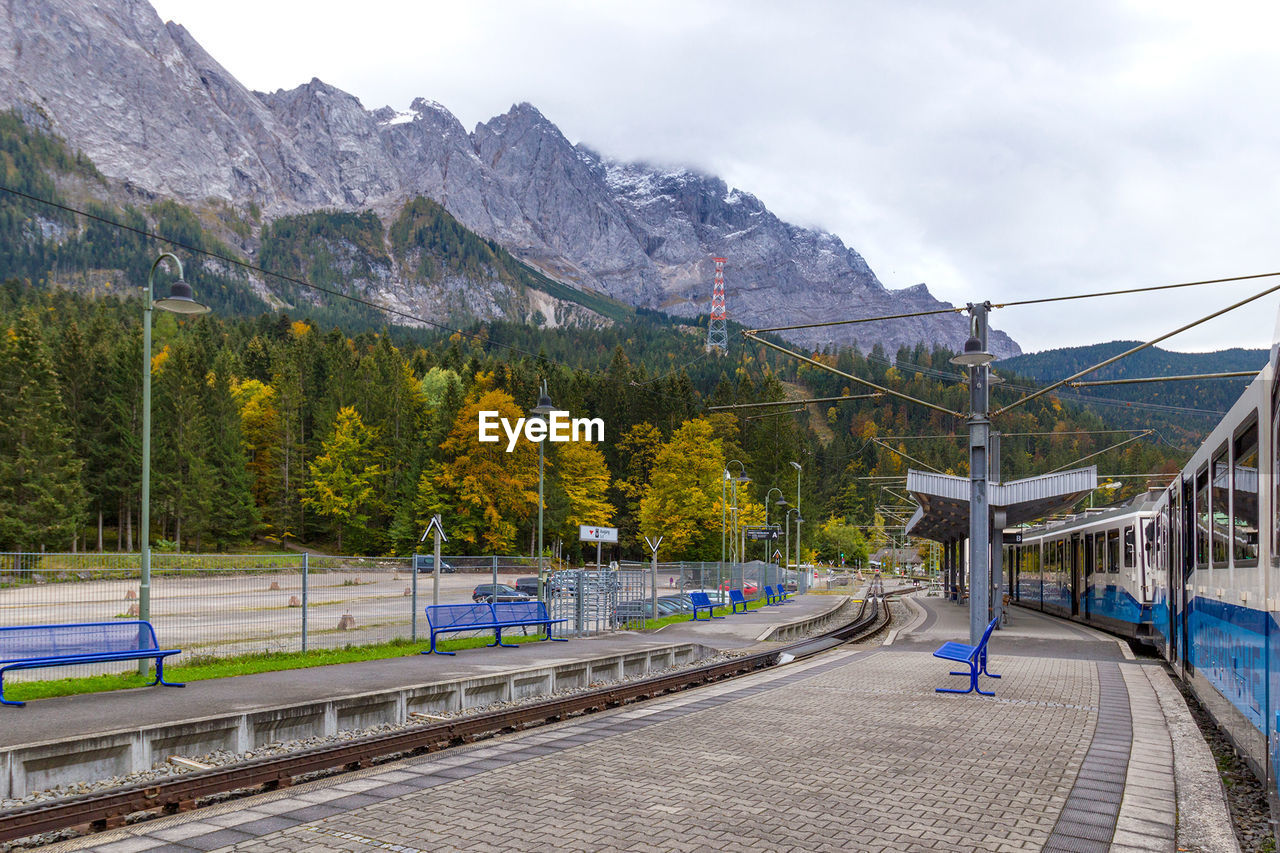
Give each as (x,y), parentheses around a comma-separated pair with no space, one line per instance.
(943,512)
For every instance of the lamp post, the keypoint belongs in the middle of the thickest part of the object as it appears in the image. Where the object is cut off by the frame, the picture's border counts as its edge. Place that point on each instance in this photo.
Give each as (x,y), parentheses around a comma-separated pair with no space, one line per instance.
(781,502)
(741,477)
(544,408)
(178,301)
(802,580)
(978,360)
(799,519)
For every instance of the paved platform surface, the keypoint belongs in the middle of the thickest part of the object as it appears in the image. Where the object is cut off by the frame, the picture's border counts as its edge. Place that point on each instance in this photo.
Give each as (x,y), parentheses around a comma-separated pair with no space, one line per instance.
(850,750)
(63,717)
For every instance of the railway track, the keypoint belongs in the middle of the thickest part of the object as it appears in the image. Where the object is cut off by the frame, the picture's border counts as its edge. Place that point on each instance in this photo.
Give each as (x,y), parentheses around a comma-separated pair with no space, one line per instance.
(109,809)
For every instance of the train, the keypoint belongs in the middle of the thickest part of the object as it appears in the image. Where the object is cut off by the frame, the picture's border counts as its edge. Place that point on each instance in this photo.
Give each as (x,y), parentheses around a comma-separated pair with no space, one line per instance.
(1191,568)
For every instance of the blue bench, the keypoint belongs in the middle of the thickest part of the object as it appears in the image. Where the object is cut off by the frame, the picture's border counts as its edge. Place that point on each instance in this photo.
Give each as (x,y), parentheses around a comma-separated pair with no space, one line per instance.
(770,597)
(974,656)
(38,646)
(735,598)
(782,594)
(699,600)
(488,616)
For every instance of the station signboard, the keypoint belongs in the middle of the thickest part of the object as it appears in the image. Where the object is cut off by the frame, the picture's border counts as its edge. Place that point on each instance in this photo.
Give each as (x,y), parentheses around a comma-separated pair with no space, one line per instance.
(592,533)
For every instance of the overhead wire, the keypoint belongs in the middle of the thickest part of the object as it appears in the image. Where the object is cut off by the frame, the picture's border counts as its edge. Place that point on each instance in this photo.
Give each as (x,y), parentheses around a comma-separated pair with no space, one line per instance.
(484,340)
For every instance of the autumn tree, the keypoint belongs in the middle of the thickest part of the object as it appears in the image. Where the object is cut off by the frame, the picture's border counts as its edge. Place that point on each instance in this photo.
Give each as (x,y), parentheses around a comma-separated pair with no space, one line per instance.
(483,492)
(682,502)
(344,477)
(583,476)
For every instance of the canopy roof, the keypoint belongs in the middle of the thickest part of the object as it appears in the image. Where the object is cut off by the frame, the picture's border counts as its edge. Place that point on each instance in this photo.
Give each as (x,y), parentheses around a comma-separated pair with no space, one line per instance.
(943,514)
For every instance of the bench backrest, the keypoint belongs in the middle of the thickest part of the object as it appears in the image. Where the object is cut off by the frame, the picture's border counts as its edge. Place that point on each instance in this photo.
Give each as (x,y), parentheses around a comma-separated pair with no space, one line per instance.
(736,596)
(699,599)
(35,642)
(986,635)
(459,615)
(520,611)
(768,592)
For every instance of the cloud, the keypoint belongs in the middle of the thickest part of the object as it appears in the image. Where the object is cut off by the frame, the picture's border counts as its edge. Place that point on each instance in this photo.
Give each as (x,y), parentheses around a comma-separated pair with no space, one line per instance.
(992,150)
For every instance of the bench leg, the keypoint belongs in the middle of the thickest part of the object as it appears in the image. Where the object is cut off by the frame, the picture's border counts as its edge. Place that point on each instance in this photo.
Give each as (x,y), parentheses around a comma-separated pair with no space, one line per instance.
(160,676)
(497,640)
(973,683)
(433,650)
(4,701)
(984,666)
(547,628)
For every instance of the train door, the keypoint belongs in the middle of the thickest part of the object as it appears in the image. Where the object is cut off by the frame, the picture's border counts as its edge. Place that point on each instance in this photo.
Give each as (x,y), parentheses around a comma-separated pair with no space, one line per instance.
(1077,575)
(1089,569)
(1180,573)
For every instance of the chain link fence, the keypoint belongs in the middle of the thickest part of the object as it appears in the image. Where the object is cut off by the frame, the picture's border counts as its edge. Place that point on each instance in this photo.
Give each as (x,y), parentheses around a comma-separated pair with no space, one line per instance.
(215,605)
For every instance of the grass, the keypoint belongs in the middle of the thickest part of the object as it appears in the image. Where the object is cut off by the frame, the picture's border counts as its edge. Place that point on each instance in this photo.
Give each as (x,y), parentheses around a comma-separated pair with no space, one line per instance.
(201,667)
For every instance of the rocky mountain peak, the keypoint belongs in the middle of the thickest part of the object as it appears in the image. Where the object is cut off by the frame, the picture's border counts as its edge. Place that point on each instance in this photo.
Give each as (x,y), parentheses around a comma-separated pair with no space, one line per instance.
(150,106)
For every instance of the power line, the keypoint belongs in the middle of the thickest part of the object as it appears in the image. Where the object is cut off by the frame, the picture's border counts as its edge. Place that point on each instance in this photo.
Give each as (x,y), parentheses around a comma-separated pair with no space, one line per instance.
(1139,348)
(1133,290)
(482,339)
(859,320)
(791,402)
(751,336)
(1229,375)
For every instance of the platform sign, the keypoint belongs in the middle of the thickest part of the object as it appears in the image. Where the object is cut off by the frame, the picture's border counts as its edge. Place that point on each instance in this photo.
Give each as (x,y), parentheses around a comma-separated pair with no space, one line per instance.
(757,535)
(591,533)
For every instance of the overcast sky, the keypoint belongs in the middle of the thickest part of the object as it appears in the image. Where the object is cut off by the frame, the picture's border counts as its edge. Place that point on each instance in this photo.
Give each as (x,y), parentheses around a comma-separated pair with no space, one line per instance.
(994,151)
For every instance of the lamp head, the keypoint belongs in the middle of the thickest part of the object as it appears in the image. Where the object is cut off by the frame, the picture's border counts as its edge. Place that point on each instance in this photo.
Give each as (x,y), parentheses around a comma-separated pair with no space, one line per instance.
(795,465)
(974,355)
(545,406)
(179,300)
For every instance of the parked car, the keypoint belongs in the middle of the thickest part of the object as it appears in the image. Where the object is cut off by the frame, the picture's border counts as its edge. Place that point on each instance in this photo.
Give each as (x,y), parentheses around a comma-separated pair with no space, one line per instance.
(529,586)
(670,607)
(715,596)
(681,602)
(633,611)
(748,587)
(427,563)
(497,592)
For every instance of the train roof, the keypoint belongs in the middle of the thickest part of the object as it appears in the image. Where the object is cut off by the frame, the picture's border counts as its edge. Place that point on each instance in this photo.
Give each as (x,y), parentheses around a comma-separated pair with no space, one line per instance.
(1144,502)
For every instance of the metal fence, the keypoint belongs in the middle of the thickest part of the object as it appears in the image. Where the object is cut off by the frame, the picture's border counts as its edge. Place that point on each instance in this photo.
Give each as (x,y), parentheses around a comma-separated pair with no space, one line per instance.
(213,605)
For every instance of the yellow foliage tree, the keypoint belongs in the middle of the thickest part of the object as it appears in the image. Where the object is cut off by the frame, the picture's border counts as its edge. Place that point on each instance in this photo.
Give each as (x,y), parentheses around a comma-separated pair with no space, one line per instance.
(584,476)
(682,503)
(482,491)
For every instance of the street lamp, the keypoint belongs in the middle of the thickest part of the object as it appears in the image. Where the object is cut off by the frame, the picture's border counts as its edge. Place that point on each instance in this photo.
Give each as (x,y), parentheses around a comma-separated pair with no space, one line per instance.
(978,360)
(544,408)
(787,522)
(781,502)
(802,580)
(178,301)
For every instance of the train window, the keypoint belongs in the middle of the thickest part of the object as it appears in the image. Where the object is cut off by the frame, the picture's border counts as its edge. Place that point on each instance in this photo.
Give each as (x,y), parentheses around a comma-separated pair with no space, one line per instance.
(1088,554)
(1202,519)
(1100,552)
(1220,487)
(1113,550)
(1244,497)
(1128,547)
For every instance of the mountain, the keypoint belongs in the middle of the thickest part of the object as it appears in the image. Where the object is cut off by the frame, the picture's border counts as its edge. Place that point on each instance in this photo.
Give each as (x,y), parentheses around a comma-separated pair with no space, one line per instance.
(153,110)
(1184,410)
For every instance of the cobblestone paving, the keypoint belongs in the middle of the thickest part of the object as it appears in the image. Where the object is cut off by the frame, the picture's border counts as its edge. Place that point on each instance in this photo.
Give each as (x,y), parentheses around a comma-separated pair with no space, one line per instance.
(856,753)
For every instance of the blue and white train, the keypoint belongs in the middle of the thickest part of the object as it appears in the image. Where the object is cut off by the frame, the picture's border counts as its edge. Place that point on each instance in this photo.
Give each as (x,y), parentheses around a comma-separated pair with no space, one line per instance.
(1193,568)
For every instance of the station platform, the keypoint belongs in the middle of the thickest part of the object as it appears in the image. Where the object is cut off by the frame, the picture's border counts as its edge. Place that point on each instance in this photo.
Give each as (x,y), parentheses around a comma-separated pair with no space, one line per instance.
(1081,749)
(64,741)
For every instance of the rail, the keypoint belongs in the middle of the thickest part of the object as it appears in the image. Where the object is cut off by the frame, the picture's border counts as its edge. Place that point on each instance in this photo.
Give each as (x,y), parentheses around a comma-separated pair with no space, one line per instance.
(108,809)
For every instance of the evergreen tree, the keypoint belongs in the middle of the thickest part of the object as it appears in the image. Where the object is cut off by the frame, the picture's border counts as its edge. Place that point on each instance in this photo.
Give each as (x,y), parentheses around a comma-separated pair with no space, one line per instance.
(343,484)
(42,501)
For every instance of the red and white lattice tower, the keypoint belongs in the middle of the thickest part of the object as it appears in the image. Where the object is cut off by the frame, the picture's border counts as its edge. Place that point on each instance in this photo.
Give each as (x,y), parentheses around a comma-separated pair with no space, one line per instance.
(717,331)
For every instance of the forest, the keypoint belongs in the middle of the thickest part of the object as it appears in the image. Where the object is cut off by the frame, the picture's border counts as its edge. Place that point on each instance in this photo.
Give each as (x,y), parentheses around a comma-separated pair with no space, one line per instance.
(303,414)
